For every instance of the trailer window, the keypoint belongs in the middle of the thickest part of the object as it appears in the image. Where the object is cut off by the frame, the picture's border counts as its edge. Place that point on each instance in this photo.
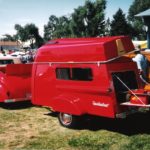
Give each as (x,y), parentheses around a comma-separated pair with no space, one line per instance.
(63,73)
(82,74)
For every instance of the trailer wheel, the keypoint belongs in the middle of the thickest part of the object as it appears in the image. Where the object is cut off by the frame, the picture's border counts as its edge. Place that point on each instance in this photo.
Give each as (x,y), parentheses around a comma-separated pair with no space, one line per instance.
(67,120)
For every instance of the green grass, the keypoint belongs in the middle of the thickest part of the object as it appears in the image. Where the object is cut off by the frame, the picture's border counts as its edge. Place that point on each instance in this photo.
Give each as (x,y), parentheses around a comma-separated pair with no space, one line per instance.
(112,141)
(99,140)
(32,128)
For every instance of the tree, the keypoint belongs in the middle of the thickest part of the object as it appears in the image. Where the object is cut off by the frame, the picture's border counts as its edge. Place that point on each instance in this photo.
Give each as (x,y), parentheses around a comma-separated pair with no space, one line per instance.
(107,27)
(33,34)
(119,24)
(63,28)
(21,33)
(8,37)
(78,23)
(88,20)
(57,28)
(29,32)
(50,28)
(137,7)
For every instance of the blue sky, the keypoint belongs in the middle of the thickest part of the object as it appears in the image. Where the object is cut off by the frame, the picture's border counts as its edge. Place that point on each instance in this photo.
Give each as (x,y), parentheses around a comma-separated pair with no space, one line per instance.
(38,11)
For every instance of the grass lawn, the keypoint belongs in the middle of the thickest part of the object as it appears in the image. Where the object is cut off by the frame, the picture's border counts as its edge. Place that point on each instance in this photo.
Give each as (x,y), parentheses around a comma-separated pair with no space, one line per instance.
(23,126)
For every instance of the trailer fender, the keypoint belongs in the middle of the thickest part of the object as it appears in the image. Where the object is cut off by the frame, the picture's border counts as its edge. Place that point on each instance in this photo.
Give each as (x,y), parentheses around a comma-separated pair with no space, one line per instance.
(67,105)
(3,88)
(3,93)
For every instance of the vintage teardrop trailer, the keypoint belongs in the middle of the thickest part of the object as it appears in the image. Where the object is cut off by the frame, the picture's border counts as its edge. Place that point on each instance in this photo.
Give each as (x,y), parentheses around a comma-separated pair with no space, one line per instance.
(82,76)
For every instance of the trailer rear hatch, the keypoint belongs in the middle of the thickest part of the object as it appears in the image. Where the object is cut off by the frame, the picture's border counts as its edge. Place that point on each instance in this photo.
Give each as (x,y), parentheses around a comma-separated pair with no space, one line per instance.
(127,91)
(129,80)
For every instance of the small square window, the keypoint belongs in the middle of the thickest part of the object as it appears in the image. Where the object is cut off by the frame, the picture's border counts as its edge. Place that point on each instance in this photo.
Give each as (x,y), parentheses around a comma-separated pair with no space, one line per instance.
(63,73)
(83,74)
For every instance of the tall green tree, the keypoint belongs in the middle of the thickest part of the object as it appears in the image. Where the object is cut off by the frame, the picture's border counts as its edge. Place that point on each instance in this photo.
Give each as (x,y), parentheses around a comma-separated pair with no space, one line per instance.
(29,32)
(21,33)
(57,28)
(85,21)
(119,24)
(78,23)
(50,28)
(107,27)
(88,20)
(63,27)
(137,7)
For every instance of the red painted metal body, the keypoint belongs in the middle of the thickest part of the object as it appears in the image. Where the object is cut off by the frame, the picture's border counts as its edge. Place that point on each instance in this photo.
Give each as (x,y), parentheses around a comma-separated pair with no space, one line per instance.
(15,83)
(96,95)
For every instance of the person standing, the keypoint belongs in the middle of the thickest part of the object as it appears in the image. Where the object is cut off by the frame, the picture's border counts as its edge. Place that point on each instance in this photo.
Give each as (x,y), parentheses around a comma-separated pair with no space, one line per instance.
(142,63)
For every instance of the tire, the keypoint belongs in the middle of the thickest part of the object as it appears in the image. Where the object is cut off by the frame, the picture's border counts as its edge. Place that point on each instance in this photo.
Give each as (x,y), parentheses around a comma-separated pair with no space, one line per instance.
(68,120)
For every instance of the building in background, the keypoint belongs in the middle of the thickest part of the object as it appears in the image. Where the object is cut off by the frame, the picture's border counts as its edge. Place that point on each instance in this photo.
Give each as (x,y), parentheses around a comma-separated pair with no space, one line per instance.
(10,45)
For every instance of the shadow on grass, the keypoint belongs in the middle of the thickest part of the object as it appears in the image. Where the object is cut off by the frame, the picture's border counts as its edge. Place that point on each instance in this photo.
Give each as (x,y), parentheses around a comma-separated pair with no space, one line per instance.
(16,105)
(52,114)
(135,124)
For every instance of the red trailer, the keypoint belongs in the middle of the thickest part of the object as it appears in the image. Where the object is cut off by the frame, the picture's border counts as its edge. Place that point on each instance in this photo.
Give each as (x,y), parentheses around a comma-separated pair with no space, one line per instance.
(82,76)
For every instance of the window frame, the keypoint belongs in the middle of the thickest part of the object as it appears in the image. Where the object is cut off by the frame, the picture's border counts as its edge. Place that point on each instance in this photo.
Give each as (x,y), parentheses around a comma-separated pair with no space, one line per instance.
(74,71)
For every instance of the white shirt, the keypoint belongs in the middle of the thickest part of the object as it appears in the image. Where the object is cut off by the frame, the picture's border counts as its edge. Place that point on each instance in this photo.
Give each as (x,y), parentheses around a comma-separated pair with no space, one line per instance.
(141,62)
